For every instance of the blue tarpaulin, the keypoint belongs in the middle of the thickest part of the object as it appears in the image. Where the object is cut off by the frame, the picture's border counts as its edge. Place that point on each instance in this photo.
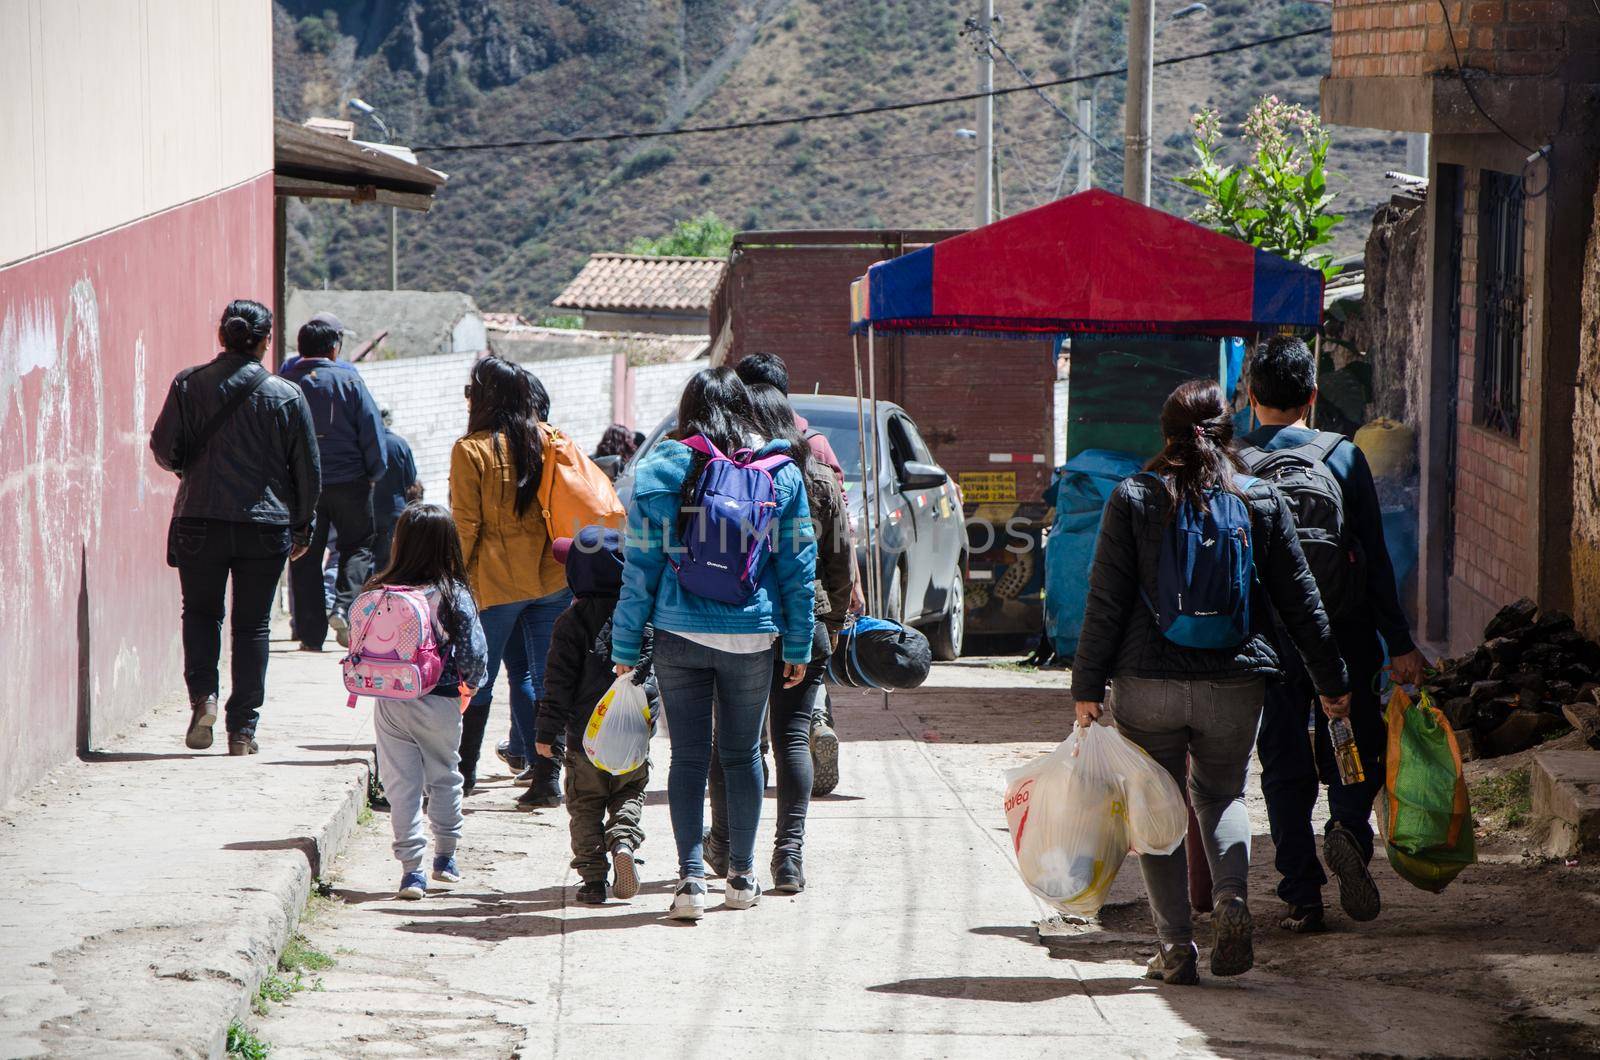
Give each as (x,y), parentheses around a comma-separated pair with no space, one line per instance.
(1080,491)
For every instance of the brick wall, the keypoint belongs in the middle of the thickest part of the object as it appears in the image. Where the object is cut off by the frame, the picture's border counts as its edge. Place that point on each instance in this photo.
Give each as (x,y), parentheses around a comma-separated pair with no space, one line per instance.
(1409,38)
(425,394)
(1495,510)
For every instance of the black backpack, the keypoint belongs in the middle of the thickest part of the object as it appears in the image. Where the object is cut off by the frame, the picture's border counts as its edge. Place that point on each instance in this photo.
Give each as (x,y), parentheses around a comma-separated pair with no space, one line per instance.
(1335,556)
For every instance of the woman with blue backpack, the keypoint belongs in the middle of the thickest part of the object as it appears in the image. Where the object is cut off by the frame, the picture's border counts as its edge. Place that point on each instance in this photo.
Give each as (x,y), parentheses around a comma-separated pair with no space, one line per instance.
(721,561)
(1175,624)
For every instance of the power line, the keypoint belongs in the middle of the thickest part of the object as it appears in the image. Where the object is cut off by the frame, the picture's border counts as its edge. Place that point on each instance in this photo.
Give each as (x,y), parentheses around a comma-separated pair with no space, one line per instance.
(830,159)
(857,112)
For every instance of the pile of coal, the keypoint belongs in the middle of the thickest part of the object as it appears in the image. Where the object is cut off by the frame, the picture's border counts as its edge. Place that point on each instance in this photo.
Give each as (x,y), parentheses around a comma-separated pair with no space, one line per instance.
(1533,677)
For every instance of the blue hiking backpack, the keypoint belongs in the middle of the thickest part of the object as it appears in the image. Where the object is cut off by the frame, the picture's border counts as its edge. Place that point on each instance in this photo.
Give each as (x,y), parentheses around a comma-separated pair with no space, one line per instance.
(727,530)
(1204,573)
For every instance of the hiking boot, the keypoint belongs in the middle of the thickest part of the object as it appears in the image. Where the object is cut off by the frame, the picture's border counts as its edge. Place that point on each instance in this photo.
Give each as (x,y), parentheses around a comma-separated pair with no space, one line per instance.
(824,758)
(715,850)
(203,715)
(592,892)
(544,789)
(341,628)
(1304,920)
(413,885)
(624,872)
(744,890)
(788,875)
(1357,891)
(1232,947)
(1177,964)
(239,744)
(689,900)
(516,763)
(445,869)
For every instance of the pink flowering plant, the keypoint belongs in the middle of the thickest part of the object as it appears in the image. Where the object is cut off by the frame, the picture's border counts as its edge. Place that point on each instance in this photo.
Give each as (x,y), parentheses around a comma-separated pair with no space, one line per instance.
(1278,199)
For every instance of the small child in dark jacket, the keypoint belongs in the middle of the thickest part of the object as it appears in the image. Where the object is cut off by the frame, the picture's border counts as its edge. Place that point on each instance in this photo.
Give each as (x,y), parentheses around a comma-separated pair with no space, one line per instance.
(604,808)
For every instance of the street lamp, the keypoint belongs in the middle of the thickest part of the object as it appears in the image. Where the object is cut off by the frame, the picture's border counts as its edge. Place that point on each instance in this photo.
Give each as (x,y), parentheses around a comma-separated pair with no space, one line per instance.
(361,106)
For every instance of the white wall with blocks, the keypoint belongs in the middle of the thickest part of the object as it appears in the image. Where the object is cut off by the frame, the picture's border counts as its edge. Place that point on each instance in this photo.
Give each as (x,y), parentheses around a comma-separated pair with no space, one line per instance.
(425,394)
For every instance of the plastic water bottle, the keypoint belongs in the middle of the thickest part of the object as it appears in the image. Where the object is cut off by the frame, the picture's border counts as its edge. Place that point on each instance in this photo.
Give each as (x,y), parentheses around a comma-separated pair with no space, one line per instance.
(1345,752)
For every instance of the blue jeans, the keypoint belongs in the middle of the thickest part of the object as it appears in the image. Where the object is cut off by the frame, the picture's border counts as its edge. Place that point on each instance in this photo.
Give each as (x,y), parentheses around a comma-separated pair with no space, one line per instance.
(518,634)
(696,681)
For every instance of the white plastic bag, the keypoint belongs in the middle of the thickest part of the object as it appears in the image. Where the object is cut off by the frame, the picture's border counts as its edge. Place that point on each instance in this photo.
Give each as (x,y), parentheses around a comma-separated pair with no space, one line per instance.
(617,738)
(1075,812)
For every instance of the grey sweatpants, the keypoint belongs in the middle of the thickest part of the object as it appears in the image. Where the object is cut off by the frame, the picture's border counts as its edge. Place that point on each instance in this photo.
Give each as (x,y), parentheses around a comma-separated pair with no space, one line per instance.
(1205,729)
(419,750)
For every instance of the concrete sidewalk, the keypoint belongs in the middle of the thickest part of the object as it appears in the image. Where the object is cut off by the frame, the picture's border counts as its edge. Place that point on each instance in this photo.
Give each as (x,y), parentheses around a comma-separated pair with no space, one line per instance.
(150,887)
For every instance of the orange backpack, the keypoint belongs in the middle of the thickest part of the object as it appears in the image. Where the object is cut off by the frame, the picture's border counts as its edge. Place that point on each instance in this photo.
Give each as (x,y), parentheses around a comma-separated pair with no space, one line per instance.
(573,491)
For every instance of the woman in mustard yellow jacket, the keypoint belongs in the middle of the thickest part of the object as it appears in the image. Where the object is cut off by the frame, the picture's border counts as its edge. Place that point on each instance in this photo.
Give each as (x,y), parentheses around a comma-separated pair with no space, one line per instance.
(520,586)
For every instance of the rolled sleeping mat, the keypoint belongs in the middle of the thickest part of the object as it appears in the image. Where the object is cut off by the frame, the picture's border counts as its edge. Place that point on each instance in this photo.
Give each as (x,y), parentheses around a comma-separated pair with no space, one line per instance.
(877,653)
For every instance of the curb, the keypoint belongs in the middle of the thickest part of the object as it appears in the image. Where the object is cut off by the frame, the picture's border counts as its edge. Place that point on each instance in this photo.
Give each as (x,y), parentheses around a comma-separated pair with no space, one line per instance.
(283,896)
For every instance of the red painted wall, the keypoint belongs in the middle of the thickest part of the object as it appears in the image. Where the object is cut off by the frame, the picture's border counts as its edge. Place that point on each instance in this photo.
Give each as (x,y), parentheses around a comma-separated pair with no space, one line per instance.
(90,336)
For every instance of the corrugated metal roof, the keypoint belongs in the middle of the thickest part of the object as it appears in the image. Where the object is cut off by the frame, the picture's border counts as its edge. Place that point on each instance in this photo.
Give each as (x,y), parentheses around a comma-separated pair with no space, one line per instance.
(642,282)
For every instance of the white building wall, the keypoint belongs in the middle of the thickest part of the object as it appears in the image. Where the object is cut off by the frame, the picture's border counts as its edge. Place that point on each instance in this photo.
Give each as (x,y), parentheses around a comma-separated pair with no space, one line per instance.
(425,395)
(1060,433)
(111,110)
(656,390)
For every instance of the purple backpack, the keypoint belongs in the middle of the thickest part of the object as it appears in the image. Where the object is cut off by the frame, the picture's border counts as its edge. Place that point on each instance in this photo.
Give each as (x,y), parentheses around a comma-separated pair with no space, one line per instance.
(727,530)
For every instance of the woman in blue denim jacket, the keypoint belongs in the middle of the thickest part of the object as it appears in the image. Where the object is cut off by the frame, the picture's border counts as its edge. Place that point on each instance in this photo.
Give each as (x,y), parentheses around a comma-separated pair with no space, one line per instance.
(711,657)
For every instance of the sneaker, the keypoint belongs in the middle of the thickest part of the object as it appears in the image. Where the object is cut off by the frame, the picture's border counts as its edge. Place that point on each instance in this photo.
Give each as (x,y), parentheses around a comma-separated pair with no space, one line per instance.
(203,715)
(689,900)
(824,758)
(624,872)
(311,647)
(592,892)
(469,782)
(715,852)
(1304,920)
(242,745)
(412,886)
(445,870)
(516,763)
(1178,965)
(1357,891)
(744,891)
(341,628)
(788,875)
(535,799)
(1232,947)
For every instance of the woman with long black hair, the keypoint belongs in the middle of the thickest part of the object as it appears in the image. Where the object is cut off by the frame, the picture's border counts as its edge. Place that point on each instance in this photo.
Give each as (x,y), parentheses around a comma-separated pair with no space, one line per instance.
(713,658)
(1196,710)
(789,709)
(521,588)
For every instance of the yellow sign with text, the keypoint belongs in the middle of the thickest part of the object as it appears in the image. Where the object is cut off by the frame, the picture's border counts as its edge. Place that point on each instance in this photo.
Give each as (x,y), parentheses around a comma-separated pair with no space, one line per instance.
(988,487)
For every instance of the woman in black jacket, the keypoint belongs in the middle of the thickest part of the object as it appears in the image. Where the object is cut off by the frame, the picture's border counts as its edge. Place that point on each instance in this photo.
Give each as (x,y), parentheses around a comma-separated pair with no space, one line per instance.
(243,445)
(1196,710)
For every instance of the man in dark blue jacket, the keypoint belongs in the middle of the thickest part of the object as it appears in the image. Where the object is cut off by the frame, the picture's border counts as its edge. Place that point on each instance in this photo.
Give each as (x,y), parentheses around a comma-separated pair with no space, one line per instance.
(350,436)
(1283,389)
(397,488)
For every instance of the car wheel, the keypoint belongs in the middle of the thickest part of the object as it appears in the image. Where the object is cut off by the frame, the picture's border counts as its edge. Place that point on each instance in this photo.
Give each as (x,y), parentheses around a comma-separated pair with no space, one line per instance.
(946,639)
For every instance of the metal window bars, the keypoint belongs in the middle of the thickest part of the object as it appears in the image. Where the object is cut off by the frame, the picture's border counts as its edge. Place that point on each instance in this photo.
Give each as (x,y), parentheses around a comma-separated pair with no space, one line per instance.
(1500,309)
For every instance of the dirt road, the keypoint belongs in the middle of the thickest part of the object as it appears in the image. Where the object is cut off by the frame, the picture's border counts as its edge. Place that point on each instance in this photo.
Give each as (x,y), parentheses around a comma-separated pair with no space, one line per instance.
(915,938)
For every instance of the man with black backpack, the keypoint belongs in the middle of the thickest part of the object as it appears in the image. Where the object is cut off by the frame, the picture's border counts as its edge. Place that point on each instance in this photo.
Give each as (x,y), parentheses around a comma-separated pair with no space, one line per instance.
(1338,520)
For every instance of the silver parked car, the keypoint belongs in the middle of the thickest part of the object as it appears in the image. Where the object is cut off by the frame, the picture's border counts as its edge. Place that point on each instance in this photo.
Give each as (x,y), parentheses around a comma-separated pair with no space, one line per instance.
(922,555)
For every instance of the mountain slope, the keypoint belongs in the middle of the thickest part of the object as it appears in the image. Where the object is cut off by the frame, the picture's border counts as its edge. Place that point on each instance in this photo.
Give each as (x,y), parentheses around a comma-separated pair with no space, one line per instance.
(514,224)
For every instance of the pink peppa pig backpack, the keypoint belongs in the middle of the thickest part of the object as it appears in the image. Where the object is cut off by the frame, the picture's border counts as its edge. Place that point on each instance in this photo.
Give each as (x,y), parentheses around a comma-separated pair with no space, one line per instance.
(394,649)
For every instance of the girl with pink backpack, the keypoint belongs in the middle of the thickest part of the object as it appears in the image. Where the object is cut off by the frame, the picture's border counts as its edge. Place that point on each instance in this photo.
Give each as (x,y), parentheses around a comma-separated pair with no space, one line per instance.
(417,647)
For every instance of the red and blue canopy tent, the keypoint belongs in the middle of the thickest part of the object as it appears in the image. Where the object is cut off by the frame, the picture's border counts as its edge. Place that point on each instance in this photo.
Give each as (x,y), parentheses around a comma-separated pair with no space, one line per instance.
(1091,264)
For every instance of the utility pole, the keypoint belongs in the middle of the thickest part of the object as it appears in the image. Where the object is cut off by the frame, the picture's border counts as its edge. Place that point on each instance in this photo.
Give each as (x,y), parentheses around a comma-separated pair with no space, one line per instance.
(1140,107)
(985,26)
(394,248)
(1085,144)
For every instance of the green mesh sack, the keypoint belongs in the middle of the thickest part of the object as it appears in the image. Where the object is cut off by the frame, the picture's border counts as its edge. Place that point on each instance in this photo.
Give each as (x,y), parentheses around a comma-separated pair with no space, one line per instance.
(1426,819)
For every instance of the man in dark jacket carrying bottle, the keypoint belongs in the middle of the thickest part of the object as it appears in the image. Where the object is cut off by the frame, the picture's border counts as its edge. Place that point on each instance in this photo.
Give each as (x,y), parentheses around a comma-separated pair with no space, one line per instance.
(242,443)
(1356,579)
(604,809)
(350,434)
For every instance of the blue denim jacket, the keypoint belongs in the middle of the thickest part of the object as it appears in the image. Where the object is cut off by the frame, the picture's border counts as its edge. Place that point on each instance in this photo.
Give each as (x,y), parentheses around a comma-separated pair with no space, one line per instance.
(784,595)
